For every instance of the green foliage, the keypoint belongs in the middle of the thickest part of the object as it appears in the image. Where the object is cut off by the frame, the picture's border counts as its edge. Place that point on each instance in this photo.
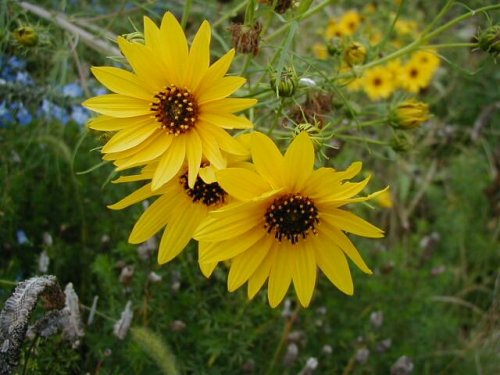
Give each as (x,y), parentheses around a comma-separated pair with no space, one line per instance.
(438,299)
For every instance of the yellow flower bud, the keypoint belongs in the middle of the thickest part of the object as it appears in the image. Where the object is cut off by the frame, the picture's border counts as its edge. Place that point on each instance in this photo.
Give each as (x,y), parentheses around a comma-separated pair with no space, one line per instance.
(410,114)
(355,54)
(26,36)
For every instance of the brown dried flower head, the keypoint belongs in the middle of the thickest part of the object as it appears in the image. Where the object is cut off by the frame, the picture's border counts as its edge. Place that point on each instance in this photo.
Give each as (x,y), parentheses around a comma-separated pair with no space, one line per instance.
(245,38)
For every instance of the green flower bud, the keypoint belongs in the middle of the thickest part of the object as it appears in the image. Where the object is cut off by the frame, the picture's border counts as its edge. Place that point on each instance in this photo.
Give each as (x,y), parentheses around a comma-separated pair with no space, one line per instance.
(489,40)
(409,114)
(26,36)
(287,84)
(335,47)
(135,37)
(400,143)
(355,54)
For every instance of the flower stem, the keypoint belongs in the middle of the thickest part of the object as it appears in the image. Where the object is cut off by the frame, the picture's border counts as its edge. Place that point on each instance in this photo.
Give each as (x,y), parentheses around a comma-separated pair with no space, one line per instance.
(286,330)
(456,20)
(185,12)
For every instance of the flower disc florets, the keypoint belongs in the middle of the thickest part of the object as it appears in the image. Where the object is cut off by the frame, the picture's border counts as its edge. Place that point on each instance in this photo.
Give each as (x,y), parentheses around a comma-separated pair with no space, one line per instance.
(175,109)
(208,194)
(291,216)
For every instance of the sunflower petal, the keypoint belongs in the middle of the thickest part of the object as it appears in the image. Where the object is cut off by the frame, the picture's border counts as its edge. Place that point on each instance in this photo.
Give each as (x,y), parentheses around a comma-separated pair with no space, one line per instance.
(193,155)
(245,264)
(117,105)
(230,222)
(304,274)
(230,105)
(175,52)
(351,223)
(267,159)
(225,141)
(241,183)
(348,190)
(345,244)
(122,82)
(261,274)
(181,226)
(280,276)
(137,196)
(221,89)
(216,71)
(224,250)
(154,149)
(152,220)
(210,147)
(299,162)
(130,137)
(199,56)
(145,63)
(170,163)
(227,121)
(107,123)
(334,265)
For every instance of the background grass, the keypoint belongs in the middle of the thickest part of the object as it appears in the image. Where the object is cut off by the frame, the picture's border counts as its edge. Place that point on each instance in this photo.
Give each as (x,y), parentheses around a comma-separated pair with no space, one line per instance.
(435,273)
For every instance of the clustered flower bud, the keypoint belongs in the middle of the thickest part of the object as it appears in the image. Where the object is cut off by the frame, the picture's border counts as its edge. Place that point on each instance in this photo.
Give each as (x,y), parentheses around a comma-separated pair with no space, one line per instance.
(287,84)
(410,114)
(489,40)
(26,36)
(354,54)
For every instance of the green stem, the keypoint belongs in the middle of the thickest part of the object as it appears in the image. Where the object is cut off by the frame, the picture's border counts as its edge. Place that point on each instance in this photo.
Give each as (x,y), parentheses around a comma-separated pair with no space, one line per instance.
(230,14)
(449,45)
(457,20)
(286,330)
(362,125)
(185,12)
(301,17)
(381,45)
(361,139)
(440,15)
(7,282)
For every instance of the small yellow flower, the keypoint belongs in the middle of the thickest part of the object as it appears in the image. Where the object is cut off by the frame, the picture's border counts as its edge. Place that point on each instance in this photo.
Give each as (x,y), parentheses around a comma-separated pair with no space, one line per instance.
(394,67)
(414,76)
(406,27)
(173,107)
(410,114)
(320,51)
(350,21)
(378,83)
(286,221)
(336,30)
(352,84)
(427,59)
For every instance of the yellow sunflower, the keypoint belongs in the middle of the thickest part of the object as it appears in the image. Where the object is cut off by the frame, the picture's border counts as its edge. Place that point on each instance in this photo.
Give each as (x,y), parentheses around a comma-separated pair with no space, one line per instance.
(414,76)
(428,59)
(378,83)
(350,21)
(173,107)
(179,208)
(287,220)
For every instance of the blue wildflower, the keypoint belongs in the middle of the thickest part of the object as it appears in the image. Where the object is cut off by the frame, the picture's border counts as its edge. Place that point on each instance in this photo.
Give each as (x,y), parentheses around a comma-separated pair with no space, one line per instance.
(80,115)
(73,90)
(22,239)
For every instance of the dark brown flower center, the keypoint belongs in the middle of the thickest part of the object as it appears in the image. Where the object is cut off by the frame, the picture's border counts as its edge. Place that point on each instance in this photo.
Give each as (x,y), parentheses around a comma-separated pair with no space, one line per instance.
(208,194)
(291,216)
(175,109)
(377,82)
(413,73)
